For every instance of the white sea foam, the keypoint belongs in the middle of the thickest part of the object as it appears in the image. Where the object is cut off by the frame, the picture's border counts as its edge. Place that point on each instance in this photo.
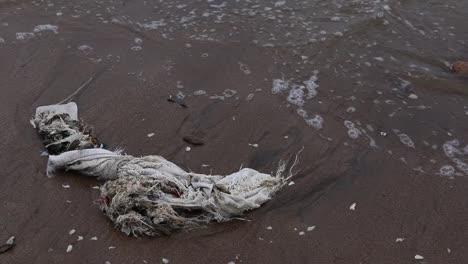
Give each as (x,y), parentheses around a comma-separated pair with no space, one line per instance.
(24,35)
(153,24)
(199,92)
(229,93)
(279,86)
(406,140)
(311,86)
(353,132)
(244,68)
(315,122)
(296,95)
(455,153)
(85,48)
(40,28)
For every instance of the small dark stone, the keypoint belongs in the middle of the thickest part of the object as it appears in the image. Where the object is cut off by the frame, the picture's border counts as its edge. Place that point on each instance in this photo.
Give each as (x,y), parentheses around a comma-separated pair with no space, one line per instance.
(177,100)
(193,140)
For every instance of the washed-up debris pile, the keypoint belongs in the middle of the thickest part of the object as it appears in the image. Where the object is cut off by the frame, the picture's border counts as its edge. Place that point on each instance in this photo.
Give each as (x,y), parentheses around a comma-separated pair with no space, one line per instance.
(150,195)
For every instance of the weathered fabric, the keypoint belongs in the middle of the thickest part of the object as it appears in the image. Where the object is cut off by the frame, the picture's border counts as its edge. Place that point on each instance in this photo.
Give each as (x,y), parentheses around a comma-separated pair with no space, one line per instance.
(152,196)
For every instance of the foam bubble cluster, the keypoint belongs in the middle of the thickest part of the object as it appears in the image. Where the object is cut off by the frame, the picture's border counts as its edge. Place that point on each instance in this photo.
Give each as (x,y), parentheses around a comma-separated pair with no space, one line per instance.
(315,122)
(279,86)
(353,131)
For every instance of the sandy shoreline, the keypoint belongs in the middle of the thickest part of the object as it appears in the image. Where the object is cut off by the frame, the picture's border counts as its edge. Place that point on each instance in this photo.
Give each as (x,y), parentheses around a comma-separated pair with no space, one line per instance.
(397,190)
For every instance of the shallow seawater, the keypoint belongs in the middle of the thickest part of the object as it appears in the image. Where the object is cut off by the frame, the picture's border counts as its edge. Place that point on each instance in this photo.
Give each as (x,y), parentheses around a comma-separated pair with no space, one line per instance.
(363,87)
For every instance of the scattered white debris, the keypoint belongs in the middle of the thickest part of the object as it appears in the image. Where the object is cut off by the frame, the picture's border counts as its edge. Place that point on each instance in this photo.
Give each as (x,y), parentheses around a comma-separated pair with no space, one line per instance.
(399,239)
(188,149)
(301,233)
(96,187)
(253,145)
(413,96)
(10,241)
(79,238)
(291,183)
(69,248)
(269,228)
(383,134)
(448,250)
(72,232)
(59,14)
(151,135)
(165,260)
(2,41)
(94,238)
(310,228)
(111,247)
(419,257)
(65,186)
(352,207)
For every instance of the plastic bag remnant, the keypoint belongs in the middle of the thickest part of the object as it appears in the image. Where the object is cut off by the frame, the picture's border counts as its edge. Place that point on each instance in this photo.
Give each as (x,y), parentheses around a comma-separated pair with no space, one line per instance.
(61,130)
(152,196)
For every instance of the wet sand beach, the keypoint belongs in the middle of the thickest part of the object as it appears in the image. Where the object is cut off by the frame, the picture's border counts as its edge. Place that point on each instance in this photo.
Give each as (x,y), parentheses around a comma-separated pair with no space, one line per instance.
(364,87)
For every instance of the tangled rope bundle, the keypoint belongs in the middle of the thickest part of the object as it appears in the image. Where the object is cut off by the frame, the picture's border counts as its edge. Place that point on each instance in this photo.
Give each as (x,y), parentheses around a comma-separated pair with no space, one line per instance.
(150,195)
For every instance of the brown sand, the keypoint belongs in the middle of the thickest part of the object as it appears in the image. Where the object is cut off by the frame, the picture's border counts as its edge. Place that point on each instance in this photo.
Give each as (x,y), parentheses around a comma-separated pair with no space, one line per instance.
(127,100)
